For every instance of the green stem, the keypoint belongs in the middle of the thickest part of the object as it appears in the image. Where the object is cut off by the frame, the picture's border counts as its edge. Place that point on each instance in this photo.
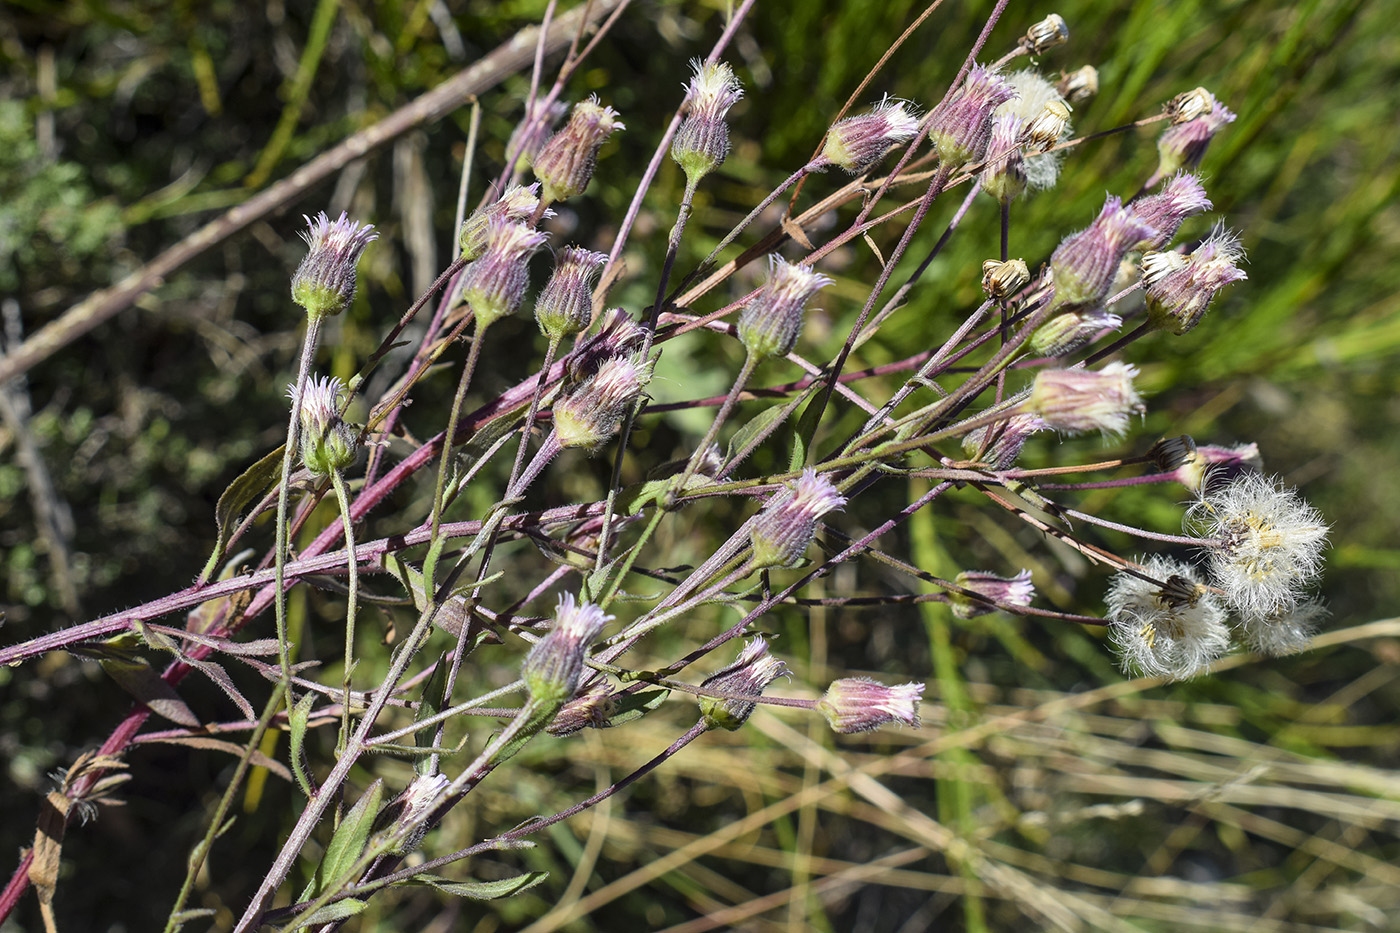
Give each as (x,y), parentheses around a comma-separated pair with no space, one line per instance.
(338,480)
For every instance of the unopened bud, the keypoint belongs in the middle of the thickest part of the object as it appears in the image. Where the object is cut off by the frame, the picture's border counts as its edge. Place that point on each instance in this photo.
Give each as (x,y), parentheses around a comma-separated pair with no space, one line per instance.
(1072,330)
(962,127)
(748,676)
(1079,86)
(858,704)
(494,285)
(565,164)
(565,307)
(984,591)
(782,531)
(519,203)
(1181,197)
(1196,117)
(1046,34)
(857,143)
(771,321)
(552,668)
(592,413)
(324,283)
(327,442)
(1004,279)
(590,710)
(998,445)
(702,142)
(1085,263)
(1078,401)
(1179,289)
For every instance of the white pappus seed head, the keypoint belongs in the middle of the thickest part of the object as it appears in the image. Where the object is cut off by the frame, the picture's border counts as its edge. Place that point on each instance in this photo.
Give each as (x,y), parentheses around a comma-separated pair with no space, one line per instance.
(1170,626)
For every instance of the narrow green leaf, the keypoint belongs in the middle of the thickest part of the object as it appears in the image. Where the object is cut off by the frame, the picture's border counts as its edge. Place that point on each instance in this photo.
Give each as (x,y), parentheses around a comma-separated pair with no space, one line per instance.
(337,911)
(350,838)
(636,705)
(483,890)
(247,489)
(297,721)
(757,427)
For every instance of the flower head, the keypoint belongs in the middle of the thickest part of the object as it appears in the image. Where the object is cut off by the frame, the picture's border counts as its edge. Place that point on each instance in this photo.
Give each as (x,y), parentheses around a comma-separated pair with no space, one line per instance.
(565,307)
(1168,626)
(998,445)
(327,442)
(961,128)
(1003,279)
(782,531)
(1085,263)
(772,319)
(1196,117)
(984,591)
(1046,34)
(565,164)
(552,668)
(702,141)
(1199,467)
(1181,197)
(1266,542)
(494,285)
(857,143)
(593,412)
(1004,177)
(858,704)
(1181,288)
(1280,633)
(518,203)
(324,283)
(1072,329)
(1077,401)
(748,676)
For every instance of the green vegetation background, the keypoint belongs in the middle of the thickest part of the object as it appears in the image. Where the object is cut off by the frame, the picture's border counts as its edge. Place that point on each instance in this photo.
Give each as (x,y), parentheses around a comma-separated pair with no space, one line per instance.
(124,125)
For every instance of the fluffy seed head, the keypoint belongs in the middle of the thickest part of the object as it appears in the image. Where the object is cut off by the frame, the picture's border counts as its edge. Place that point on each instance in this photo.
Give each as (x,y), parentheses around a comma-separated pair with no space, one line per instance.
(859,704)
(962,127)
(782,531)
(1170,626)
(1078,401)
(1181,288)
(1281,633)
(770,322)
(552,668)
(324,283)
(565,307)
(592,413)
(1196,117)
(748,676)
(983,591)
(1268,542)
(702,141)
(857,143)
(565,165)
(327,442)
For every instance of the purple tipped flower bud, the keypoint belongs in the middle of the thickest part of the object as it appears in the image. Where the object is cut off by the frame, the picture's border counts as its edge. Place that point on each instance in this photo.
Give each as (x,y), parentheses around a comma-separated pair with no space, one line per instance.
(748,676)
(962,127)
(1004,178)
(858,704)
(1197,117)
(998,445)
(1085,263)
(565,307)
(771,321)
(618,336)
(552,668)
(857,143)
(327,443)
(1072,330)
(519,203)
(1079,86)
(985,590)
(1046,34)
(1004,279)
(494,285)
(1077,401)
(1181,197)
(702,141)
(324,283)
(535,127)
(1199,467)
(781,532)
(592,413)
(1181,288)
(565,164)
(590,710)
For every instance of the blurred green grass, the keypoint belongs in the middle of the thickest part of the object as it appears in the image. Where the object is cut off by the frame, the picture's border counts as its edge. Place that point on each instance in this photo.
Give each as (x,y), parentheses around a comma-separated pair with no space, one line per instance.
(127,122)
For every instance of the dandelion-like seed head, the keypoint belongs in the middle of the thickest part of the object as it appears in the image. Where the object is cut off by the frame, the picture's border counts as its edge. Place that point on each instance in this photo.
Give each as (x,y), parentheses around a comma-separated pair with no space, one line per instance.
(1171,626)
(324,283)
(859,704)
(1267,546)
(748,676)
(1282,633)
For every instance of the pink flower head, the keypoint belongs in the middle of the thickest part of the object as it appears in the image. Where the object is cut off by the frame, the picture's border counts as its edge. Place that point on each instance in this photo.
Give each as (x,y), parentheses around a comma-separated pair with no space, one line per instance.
(748,676)
(985,591)
(858,704)
(962,127)
(1085,263)
(565,165)
(857,143)
(1181,288)
(782,531)
(702,142)
(324,283)
(1181,197)
(771,321)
